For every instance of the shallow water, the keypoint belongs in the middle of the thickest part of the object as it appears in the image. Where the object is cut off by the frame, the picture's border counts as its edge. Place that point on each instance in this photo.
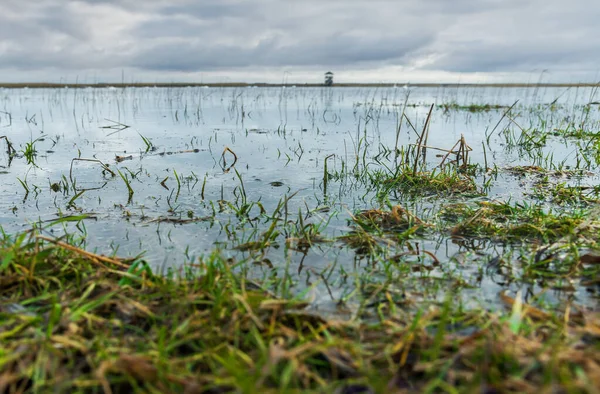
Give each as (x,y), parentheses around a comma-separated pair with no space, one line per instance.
(281,137)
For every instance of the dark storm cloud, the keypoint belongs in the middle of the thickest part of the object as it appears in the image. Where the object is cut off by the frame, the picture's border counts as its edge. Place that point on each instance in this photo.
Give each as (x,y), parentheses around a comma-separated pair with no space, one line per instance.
(195,36)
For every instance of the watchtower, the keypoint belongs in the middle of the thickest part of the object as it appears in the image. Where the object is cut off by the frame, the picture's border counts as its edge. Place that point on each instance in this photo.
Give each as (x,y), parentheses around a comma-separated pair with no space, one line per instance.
(328,78)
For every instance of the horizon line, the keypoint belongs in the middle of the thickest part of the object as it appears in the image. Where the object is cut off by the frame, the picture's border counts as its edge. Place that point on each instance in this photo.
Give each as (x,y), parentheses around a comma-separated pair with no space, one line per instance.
(55,85)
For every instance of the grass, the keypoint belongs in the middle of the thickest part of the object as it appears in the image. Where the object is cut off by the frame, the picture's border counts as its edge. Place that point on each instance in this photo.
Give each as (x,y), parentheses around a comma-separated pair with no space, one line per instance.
(10,150)
(539,244)
(551,185)
(440,182)
(73,321)
(148,144)
(562,194)
(397,218)
(30,151)
(128,184)
(474,108)
(504,221)
(575,133)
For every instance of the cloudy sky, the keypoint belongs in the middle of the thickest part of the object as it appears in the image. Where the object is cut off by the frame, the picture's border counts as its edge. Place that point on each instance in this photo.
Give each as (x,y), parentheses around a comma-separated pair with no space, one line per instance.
(297,40)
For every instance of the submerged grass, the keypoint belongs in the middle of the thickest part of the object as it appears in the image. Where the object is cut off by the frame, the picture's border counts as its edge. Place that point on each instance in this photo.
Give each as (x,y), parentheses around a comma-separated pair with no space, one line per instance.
(397,218)
(440,182)
(73,321)
(453,106)
(517,222)
(562,194)
(553,185)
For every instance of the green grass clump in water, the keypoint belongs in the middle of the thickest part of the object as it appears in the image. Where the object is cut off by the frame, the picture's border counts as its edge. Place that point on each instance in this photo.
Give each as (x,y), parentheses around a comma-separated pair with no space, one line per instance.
(506,222)
(372,228)
(576,133)
(561,194)
(548,185)
(441,182)
(471,107)
(73,321)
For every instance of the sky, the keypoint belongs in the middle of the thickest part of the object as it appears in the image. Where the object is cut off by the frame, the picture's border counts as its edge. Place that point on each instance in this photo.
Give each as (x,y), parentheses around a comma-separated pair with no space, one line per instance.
(288,41)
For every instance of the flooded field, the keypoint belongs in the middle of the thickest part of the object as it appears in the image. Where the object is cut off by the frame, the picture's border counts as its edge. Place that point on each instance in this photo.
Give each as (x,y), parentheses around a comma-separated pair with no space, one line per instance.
(343,196)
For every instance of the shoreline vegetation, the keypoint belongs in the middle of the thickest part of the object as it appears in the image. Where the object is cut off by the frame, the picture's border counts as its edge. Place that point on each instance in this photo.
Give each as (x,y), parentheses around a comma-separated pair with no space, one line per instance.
(52,85)
(74,321)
